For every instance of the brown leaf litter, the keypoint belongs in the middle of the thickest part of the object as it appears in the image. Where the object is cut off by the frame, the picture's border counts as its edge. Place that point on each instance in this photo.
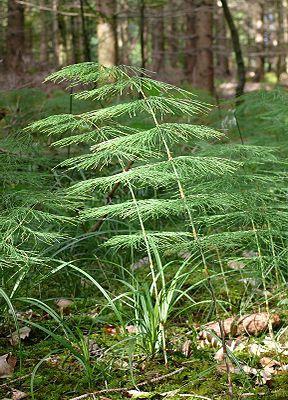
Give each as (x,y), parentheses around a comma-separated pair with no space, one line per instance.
(21,334)
(64,305)
(7,365)
(250,324)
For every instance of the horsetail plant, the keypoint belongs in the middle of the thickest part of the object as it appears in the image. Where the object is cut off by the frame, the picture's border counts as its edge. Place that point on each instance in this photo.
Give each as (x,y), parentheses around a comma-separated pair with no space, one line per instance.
(168,168)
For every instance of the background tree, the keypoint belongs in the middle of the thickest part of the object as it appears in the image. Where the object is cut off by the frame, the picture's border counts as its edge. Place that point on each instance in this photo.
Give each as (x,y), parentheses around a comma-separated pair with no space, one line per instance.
(204,76)
(182,40)
(15,37)
(107,33)
(241,73)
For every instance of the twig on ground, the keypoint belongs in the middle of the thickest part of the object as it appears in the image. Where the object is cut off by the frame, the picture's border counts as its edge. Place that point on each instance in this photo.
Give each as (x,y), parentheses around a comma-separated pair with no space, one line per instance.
(20,378)
(125,389)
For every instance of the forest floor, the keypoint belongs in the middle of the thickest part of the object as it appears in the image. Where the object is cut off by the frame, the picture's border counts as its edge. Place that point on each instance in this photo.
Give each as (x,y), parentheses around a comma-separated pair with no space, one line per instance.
(53,373)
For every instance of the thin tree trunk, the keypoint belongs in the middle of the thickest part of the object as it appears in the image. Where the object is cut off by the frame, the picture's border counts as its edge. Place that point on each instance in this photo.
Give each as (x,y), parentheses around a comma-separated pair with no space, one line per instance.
(250,41)
(204,76)
(43,35)
(2,30)
(124,33)
(173,31)
(142,33)
(15,37)
(29,40)
(190,41)
(62,39)
(260,72)
(158,43)
(75,45)
(241,73)
(222,57)
(281,61)
(107,33)
(55,32)
(85,37)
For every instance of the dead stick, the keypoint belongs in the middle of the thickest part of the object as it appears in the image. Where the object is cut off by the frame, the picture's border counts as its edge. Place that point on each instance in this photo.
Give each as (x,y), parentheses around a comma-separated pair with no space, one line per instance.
(20,378)
(105,391)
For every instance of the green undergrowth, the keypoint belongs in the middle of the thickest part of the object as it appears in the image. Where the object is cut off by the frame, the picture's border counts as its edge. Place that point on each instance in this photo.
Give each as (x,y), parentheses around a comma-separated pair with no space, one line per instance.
(61,377)
(115,363)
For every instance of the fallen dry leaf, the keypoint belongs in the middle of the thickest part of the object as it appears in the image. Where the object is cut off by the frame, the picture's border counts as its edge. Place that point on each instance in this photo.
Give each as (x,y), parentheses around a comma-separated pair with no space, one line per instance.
(186,348)
(248,370)
(54,360)
(94,312)
(213,328)
(269,362)
(64,305)
(143,262)
(110,329)
(270,367)
(22,334)
(250,253)
(94,349)
(222,367)
(28,314)
(256,349)
(256,323)
(132,329)
(232,346)
(185,255)
(251,324)
(18,395)
(271,344)
(7,365)
(250,281)
(236,265)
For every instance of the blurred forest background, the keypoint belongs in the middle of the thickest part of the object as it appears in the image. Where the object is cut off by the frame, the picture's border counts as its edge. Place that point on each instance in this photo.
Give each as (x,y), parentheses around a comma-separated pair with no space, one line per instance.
(208,44)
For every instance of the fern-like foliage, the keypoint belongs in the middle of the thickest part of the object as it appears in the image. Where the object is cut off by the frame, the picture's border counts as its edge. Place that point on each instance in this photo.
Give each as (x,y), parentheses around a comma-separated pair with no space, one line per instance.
(32,213)
(171,170)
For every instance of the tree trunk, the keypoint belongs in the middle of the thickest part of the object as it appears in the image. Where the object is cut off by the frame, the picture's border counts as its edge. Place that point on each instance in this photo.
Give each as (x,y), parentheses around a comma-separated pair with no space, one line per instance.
(190,41)
(2,30)
(29,41)
(107,33)
(223,51)
(260,71)
(43,35)
(241,73)
(281,61)
(142,33)
(62,39)
(75,45)
(172,33)
(158,42)
(15,37)
(124,33)
(85,36)
(55,32)
(204,76)
(250,42)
